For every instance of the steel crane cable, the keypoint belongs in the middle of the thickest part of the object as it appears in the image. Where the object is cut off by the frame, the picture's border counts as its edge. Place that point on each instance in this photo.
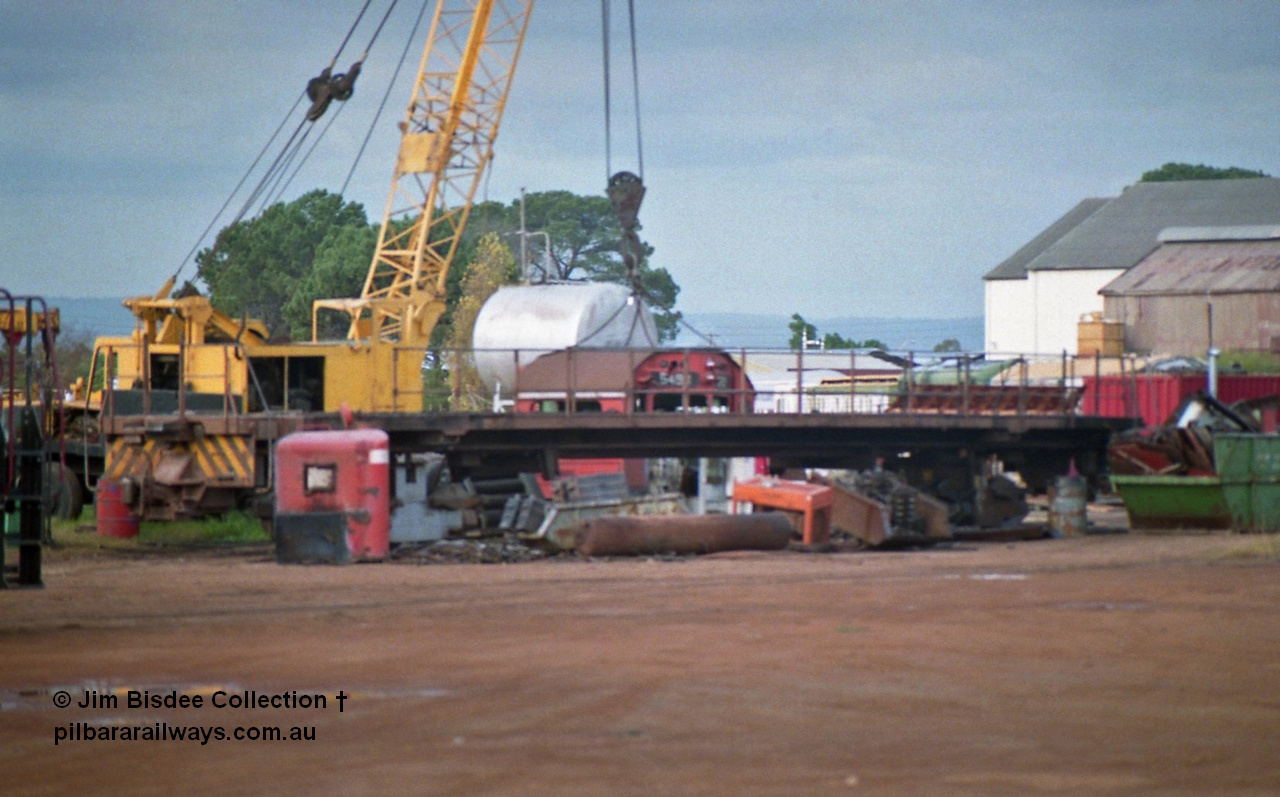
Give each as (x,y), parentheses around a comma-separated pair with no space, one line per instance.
(283,186)
(286,152)
(341,87)
(608,122)
(635,87)
(236,190)
(350,31)
(625,190)
(378,30)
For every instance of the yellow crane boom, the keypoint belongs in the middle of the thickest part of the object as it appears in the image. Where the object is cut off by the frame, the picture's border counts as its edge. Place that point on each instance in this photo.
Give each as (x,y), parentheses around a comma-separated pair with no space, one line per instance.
(225,380)
(446,143)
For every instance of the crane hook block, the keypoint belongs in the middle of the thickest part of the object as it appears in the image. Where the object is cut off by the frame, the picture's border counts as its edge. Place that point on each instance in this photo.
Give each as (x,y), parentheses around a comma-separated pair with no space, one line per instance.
(626,192)
(327,87)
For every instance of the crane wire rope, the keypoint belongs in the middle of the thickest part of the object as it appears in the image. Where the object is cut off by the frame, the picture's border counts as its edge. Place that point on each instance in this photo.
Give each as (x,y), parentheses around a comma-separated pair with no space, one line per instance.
(608,121)
(635,87)
(639,306)
(631,247)
(278,194)
(272,170)
(289,152)
(378,30)
(236,190)
(350,31)
(605,21)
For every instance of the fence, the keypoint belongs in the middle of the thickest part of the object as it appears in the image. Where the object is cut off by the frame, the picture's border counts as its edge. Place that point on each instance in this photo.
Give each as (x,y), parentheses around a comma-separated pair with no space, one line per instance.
(777,381)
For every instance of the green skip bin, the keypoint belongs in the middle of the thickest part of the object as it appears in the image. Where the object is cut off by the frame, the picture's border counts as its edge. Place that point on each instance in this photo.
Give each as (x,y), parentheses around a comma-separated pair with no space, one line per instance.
(1249,467)
(1172,503)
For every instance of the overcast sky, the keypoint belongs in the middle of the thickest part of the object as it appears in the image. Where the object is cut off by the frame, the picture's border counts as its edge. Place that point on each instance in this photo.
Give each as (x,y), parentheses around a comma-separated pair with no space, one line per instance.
(827,158)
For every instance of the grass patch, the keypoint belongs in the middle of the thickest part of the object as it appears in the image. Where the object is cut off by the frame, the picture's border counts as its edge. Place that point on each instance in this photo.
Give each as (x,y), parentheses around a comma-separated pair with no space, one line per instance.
(235,528)
(1252,361)
(232,528)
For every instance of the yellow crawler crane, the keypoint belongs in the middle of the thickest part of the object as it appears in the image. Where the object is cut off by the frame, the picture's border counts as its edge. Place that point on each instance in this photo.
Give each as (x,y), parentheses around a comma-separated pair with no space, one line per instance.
(226,390)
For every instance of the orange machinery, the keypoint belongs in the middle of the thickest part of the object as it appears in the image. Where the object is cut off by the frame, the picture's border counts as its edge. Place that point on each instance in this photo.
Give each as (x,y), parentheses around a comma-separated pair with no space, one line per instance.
(812,501)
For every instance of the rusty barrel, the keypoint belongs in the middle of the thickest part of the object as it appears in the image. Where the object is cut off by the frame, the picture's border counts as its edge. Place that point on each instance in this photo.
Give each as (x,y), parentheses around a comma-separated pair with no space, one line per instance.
(641,536)
(114,517)
(1068,504)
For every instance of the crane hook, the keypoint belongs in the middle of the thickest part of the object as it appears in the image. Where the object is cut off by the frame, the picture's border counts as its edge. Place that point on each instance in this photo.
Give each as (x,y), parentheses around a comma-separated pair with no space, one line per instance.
(626,192)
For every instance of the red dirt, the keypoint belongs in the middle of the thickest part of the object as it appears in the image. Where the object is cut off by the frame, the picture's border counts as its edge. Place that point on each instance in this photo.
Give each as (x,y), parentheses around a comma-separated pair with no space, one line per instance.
(1096,665)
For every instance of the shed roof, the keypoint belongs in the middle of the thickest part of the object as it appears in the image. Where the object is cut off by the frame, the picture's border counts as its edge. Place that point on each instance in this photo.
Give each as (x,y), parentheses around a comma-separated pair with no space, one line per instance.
(1015,266)
(1126,229)
(1203,267)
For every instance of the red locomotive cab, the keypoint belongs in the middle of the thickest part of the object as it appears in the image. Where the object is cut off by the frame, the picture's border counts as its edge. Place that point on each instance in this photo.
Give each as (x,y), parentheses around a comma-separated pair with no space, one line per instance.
(621,380)
(691,380)
(583,381)
(333,496)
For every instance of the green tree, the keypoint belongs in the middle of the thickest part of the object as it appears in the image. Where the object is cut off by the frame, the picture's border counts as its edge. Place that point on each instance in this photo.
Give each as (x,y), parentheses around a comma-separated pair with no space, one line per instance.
(584,238)
(339,269)
(318,247)
(950,344)
(834,340)
(255,267)
(801,331)
(1186,171)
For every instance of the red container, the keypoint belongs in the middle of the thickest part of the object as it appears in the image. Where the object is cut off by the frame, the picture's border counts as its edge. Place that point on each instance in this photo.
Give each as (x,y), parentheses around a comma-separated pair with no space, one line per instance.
(1154,397)
(114,518)
(333,496)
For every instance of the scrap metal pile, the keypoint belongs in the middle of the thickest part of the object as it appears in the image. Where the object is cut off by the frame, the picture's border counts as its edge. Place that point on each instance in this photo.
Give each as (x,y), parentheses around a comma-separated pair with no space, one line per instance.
(495,550)
(1183,446)
(902,501)
(879,508)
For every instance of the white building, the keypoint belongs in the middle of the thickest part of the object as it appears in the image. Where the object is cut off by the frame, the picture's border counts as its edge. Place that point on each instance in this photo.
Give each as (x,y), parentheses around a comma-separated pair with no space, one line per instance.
(1035,298)
(819,381)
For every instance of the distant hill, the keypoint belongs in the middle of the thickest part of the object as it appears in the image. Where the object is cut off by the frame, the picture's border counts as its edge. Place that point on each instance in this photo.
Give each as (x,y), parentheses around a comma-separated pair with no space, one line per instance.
(762,331)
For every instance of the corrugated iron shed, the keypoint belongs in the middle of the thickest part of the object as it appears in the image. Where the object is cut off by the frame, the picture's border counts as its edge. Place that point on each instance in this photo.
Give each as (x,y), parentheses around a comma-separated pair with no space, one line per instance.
(1203,267)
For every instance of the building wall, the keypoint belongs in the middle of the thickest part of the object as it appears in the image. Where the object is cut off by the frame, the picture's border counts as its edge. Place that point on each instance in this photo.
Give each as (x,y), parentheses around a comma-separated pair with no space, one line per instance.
(1009,317)
(1039,315)
(1179,325)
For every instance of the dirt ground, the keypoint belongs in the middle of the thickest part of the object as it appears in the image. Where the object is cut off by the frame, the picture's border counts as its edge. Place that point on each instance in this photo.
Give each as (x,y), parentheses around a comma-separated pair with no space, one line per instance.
(1108,664)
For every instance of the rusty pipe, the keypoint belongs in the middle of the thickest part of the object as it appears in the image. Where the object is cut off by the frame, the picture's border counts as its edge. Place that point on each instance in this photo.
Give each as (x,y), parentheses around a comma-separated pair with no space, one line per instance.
(642,536)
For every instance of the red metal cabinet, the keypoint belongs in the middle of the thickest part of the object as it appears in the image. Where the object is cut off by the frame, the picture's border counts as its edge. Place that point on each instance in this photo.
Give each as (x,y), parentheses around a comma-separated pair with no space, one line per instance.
(332,496)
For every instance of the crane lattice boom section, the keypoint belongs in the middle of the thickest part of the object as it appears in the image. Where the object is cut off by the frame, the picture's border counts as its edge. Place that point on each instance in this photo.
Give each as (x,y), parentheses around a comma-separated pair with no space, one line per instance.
(446,144)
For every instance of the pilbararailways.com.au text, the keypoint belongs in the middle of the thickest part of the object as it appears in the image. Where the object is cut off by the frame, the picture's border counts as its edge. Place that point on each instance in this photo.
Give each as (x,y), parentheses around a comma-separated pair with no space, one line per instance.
(118,731)
(164,732)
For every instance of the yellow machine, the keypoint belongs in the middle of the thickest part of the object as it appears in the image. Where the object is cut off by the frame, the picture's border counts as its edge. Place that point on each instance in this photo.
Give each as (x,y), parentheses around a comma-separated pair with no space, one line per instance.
(186,357)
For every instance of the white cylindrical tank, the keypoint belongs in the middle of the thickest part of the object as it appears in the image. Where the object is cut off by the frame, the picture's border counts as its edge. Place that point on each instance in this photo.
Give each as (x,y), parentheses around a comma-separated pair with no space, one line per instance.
(526,321)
